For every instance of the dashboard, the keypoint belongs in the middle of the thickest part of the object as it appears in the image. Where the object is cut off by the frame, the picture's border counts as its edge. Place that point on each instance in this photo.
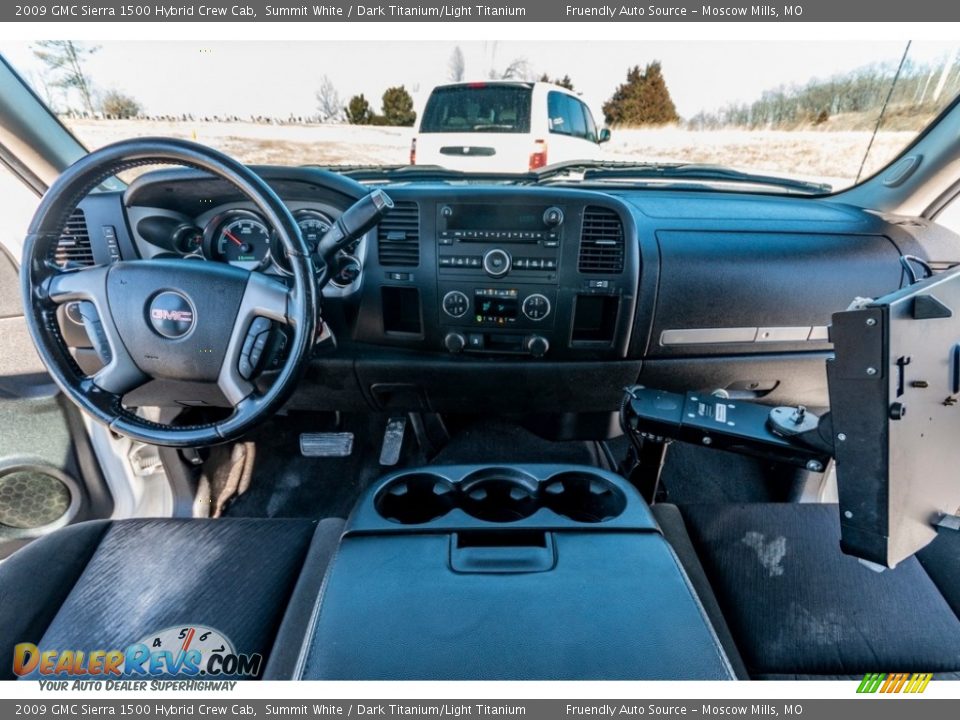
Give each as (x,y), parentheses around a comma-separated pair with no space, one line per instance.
(499,298)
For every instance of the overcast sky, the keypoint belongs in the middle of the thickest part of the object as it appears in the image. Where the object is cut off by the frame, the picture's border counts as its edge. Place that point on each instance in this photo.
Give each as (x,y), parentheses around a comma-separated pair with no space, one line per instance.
(280,78)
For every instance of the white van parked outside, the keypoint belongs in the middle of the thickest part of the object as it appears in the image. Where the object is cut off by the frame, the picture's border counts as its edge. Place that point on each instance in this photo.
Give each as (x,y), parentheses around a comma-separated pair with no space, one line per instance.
(504,126)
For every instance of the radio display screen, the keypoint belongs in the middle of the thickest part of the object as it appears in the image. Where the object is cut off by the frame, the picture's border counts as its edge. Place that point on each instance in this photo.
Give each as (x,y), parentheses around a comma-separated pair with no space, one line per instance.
(496,217)
(495,308)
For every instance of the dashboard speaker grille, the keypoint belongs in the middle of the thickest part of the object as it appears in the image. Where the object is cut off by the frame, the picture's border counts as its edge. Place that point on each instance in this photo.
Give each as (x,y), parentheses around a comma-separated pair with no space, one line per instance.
(398,236)
(601,242)
(73,248)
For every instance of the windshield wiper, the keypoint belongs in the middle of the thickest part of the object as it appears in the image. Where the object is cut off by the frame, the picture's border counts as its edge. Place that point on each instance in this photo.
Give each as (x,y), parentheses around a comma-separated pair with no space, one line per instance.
(626,170)
(424,173)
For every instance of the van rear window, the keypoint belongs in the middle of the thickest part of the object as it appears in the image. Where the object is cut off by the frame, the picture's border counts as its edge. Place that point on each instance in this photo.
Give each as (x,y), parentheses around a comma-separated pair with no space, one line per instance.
(482,108)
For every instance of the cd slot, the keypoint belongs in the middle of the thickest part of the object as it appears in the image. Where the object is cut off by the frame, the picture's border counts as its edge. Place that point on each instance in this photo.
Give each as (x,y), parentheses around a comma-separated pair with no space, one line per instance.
(550,238)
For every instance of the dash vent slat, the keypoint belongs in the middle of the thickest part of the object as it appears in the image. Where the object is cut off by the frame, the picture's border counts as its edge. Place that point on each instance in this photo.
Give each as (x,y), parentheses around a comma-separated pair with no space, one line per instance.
(398,236)
(601,242)
(73,247)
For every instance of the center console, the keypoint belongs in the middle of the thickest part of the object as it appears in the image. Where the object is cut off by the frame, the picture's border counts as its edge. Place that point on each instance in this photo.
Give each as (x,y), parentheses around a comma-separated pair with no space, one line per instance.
(521,572)
(552,277)
(498,276)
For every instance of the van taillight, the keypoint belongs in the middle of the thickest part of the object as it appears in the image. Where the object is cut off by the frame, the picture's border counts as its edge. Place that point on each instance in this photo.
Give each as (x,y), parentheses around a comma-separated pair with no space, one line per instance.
(413,151)
(538,158)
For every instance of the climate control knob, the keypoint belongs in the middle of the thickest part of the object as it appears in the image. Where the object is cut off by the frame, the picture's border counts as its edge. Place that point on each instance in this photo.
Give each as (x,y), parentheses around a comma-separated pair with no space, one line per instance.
(455,342)
(496,262)
(536,345)
(455,304)
(536,307)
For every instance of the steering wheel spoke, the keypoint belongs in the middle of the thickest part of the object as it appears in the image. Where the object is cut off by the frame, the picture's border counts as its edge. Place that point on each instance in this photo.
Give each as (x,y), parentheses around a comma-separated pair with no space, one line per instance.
(265,300)
(72,285)
(88,288)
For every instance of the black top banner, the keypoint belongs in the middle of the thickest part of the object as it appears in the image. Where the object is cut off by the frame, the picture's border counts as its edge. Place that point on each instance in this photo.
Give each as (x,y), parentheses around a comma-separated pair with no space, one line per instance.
(528,11)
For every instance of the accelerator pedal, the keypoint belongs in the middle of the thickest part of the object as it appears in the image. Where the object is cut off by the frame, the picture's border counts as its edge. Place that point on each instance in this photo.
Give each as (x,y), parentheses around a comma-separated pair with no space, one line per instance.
(326,444)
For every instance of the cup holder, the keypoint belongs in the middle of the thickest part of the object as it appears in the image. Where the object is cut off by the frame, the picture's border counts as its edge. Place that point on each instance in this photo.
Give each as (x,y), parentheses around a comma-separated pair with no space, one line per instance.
(499,495)
(416,498)
(583,497)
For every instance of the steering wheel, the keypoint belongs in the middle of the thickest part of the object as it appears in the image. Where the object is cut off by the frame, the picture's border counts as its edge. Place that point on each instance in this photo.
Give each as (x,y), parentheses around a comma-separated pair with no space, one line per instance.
(167,319)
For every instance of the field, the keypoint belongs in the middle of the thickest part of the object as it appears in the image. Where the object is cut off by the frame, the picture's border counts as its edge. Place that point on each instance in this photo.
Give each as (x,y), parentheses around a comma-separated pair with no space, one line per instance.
(831,156)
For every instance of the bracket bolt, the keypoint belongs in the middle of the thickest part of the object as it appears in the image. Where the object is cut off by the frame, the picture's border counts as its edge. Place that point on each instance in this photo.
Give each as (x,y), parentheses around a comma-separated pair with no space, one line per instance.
(897,411)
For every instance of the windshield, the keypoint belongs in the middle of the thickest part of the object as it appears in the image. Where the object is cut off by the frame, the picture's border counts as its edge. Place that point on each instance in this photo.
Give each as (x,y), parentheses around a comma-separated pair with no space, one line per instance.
(824,113)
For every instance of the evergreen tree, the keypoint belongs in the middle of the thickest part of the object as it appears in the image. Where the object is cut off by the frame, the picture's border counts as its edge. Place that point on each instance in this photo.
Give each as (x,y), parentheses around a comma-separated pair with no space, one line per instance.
(358,111)
(643,99)
(398,107)
(564,82)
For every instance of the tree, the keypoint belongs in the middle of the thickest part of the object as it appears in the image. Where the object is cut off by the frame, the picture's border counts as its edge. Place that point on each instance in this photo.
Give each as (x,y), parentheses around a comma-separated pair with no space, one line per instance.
(564,82)
(358,111)
(64,59)
(329,104)
(642,100)
(116,105)
(517,69)
(398,107)
(456,66)
(41,82)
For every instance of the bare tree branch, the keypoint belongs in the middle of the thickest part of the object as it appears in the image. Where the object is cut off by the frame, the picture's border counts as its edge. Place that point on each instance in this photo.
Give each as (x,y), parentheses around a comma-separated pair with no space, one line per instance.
(456,66)
(64,61)
(329,104)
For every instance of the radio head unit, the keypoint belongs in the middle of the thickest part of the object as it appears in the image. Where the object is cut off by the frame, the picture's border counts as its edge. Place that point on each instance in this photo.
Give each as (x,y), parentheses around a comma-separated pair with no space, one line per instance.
(512,223)
(496,240)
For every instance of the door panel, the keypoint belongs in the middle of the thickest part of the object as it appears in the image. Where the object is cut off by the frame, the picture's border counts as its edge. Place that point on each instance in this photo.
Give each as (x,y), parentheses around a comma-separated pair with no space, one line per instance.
(48,477)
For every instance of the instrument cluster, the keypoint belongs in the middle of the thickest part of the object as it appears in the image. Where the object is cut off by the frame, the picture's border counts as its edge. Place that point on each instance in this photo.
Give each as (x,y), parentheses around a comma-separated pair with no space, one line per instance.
(243,238)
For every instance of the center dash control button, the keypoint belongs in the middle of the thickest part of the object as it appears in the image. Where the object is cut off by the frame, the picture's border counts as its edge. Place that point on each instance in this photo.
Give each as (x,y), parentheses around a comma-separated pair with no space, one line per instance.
(475,341)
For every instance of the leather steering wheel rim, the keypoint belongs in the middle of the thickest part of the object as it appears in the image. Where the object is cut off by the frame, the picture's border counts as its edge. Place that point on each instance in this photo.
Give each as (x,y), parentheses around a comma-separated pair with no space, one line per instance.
(45,286)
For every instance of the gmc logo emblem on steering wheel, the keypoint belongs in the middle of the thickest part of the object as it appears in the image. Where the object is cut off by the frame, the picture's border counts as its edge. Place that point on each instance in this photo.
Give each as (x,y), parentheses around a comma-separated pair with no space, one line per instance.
(171,314)
(175,315)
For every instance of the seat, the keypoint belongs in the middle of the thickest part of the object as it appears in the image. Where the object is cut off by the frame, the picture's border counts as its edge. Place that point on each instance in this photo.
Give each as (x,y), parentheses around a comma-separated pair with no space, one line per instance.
(783,597)
(104,585)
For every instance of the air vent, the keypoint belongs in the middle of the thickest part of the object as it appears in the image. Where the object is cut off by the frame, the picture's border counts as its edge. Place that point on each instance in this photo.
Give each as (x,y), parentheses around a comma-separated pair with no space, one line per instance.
(73,248)
(398,237)
(601,242)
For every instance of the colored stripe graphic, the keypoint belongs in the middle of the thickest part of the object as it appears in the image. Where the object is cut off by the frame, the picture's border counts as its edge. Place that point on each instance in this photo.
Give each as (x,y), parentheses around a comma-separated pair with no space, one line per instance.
(894,683)
(871,682)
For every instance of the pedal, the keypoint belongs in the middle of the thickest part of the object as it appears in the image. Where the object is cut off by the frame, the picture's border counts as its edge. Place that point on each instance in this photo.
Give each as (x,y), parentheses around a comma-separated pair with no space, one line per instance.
(144,460)
(393,440)
(326,444)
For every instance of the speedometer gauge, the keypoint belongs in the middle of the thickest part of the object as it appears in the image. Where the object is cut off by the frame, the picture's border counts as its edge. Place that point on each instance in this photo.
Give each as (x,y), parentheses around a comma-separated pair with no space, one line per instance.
(239,237)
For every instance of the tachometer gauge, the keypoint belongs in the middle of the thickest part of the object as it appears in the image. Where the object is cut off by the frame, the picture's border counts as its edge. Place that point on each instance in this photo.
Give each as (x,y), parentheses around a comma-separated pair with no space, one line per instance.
(313,226)
(239,237)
